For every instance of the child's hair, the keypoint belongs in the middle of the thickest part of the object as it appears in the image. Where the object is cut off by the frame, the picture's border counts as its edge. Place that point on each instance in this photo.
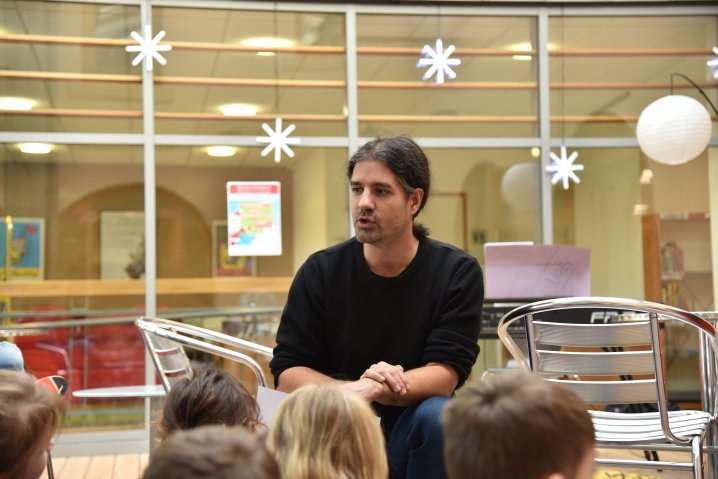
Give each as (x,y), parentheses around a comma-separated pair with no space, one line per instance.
(212,452)
(29,416)
(516,425)
(211,396)
(327,432)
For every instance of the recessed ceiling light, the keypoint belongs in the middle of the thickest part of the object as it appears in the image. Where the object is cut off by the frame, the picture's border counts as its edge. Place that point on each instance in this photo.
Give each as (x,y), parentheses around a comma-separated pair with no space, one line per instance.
(15,103)
(535,151)
(36,148)
(525,47)
(239,109)
(221,151)
(641,209)
(267,42)
(646,176)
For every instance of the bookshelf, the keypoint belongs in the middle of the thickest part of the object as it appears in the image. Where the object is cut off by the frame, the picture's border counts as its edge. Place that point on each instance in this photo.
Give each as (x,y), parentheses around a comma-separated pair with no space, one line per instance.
(677,260)
(677,271)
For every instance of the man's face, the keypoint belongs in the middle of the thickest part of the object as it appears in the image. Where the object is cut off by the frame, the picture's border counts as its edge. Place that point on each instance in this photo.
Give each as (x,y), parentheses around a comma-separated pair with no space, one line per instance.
(381,209)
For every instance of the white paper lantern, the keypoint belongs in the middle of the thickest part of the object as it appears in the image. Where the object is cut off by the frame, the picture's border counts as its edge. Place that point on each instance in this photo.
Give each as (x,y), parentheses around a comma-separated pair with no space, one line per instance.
(520,186)
(674,129)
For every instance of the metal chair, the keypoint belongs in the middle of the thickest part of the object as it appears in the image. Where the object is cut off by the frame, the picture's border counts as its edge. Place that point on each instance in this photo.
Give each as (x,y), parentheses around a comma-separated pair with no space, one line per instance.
(166,340)
(620,362)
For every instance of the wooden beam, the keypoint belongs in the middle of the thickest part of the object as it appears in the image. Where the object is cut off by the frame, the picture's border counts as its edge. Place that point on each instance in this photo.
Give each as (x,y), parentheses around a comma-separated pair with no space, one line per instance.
(340,50)
(129,287)
(380,84)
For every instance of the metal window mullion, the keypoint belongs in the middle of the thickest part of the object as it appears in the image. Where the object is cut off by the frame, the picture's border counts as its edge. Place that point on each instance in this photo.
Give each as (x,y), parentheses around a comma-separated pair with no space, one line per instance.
(148,122)
(350,21)
(544,112)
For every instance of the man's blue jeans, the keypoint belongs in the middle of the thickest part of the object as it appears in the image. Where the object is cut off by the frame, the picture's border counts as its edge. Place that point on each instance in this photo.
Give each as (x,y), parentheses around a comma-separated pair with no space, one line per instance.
(416,444)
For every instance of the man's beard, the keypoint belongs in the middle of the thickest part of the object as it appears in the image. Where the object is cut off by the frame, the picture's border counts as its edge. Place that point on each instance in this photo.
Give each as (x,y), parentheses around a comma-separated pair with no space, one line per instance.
(366,235)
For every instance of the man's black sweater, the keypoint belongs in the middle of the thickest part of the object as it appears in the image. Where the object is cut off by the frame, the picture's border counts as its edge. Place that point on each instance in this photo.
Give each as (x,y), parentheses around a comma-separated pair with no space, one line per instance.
(340,317)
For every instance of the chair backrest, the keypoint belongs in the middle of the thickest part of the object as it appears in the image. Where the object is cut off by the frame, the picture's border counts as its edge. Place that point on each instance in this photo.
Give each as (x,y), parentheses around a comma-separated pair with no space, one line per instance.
(166,341)
(168,355)
(614,362)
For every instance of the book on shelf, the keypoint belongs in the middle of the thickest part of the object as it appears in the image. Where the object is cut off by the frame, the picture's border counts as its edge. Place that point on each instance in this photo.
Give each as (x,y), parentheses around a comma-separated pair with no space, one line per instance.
(673,295)
(672,262)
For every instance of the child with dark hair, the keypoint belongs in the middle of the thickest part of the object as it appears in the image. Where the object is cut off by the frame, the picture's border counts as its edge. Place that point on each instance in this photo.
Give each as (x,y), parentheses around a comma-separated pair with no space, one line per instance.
(211,396)
(516,425)
(212,452)
(30,415)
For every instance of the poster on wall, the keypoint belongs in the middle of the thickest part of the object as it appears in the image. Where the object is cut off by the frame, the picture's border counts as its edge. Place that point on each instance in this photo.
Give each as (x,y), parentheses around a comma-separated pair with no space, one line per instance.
(222,263)
(254,218)
(122,244)
(27,248)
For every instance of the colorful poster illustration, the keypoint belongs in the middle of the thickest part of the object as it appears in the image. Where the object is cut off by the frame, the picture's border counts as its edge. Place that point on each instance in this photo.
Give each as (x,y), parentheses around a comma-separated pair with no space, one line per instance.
(254,218)
(27,248)
(222,263)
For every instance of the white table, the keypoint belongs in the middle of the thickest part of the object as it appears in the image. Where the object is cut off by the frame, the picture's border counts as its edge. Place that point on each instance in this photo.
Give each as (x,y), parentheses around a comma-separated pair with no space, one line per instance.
(139,391)
(153,391)
(9,332)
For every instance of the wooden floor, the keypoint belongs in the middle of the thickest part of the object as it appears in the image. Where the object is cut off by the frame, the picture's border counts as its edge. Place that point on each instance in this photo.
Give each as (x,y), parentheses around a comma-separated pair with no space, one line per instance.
(124,466)
(130,466)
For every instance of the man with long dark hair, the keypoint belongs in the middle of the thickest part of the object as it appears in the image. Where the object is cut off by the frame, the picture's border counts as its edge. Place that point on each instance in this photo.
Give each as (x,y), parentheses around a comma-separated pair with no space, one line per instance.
(392,313)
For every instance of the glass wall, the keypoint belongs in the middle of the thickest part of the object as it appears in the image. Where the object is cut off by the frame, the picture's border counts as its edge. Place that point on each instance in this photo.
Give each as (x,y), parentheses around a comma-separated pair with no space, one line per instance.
(492,95)
(73,163)
(605,70)
(67,60)
(233,70)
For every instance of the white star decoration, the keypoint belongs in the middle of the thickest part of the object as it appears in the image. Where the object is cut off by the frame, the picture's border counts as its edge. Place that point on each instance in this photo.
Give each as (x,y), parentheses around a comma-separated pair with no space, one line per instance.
(439,61)
(563,168)
(278,140)
(148,48)
(713,63)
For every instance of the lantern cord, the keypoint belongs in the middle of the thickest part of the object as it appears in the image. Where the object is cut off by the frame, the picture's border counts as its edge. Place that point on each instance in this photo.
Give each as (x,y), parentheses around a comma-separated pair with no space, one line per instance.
(697,88)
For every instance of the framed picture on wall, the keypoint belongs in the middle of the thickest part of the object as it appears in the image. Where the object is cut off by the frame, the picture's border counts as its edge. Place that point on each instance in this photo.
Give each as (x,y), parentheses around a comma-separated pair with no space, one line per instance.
(24,239)
(122,244)
(222,263)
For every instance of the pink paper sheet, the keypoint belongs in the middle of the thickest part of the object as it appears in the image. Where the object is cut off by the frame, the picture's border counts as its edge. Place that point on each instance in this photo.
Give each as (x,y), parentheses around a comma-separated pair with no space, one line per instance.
(536,271)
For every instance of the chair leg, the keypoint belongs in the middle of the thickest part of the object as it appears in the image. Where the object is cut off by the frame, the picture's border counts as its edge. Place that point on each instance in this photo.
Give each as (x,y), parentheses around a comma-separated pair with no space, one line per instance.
(50,471)
(697,455)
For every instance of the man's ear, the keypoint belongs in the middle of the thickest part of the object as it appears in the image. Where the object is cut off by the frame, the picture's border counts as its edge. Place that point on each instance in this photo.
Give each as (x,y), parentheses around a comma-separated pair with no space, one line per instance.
(415,200)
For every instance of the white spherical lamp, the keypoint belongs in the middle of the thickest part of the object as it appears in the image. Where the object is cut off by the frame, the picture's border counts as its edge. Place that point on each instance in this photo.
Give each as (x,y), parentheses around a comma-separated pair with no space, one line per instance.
(520,186)
(674,129)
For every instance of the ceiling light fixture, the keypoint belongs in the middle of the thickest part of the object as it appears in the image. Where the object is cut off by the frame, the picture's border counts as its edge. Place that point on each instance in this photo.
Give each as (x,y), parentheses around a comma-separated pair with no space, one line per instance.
(148,48)
(221,151)
(35,148)
(675,129)
(16,103)
(270,43)
(646,176)
(713,64)
(525,47)
(437,59)
(239,109)
(277,139)
(563,167)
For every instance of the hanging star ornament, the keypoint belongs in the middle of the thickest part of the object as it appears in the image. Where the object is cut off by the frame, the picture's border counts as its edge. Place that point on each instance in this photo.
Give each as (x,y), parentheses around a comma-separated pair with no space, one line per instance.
(438,61)
(148,48)
(713,63)
(563,168)
(278,140)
